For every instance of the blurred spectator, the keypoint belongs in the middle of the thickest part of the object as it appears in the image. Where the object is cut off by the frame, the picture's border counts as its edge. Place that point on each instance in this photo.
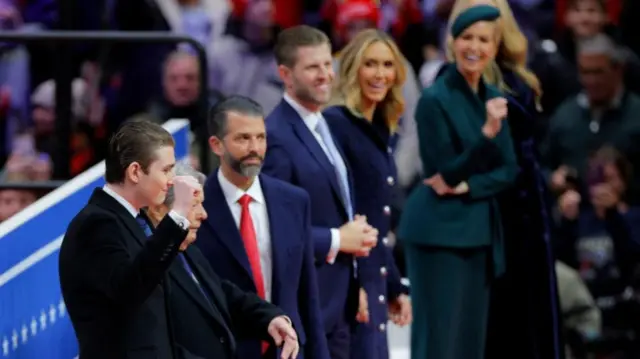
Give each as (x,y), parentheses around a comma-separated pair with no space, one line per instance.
(556,62)
(600,237)
(580,313)
(140,65)
(180,87)
(243,64)
(605,112)
(13,201)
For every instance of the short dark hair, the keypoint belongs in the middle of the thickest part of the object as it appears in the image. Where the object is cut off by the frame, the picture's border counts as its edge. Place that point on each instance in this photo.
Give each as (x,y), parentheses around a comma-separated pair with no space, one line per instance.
(293,38)
(135,141)
(217,122)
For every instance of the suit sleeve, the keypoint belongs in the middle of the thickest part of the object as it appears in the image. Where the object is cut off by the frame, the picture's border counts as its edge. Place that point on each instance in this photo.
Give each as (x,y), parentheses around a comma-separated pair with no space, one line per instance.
(316,346)
(107,266)
(489,184)
(250,314)
(278,164)
(437,143)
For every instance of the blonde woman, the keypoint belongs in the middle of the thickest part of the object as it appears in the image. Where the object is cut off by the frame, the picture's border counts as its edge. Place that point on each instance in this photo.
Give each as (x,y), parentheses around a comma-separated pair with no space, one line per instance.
(367,106)
(526,296)
(451,226)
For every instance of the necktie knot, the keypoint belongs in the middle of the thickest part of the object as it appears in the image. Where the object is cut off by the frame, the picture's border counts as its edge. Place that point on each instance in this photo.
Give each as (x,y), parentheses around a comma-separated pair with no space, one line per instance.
(142,222)
(245,200)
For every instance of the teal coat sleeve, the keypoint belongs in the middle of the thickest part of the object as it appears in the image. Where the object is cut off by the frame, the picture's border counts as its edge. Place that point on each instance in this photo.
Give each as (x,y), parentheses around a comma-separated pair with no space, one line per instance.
(489,184)
(437,143)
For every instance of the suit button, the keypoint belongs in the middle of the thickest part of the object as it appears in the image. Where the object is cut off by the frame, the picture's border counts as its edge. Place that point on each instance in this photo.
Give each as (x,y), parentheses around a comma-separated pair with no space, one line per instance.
(390,181)
(385,241)
(382,327)
(389,150)
(222,340)
(381,299)
(386,210)
(383,271)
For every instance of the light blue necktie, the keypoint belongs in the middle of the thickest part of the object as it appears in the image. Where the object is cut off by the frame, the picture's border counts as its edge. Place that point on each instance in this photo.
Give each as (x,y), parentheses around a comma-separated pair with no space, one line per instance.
(338,164)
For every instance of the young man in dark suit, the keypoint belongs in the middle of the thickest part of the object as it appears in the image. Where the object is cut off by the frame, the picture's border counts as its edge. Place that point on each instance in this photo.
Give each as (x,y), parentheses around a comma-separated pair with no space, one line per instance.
(301,150)
(260,236)
(112,268)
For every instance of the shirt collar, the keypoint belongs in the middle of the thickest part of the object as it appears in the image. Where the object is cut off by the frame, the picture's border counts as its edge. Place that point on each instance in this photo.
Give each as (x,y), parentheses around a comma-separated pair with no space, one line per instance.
(616,102)
(233,193)
(128,206)
(310,118)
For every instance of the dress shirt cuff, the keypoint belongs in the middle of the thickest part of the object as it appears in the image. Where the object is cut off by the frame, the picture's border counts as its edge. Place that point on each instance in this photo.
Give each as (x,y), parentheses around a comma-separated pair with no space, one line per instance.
(181,221)
(287,319)
(335,246)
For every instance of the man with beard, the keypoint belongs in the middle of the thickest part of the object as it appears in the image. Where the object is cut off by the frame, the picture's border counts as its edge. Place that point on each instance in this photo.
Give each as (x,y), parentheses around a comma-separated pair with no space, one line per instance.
(259,233)
(301,151)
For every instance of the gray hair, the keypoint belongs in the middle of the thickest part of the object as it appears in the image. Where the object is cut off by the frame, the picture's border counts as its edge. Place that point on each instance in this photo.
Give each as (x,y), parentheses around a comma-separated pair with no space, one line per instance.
(602,44)
(183,169)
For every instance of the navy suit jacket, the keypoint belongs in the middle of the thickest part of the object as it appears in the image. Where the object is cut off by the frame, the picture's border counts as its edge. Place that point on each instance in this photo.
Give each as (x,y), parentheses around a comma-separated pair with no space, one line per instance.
(294,284)
(295,156)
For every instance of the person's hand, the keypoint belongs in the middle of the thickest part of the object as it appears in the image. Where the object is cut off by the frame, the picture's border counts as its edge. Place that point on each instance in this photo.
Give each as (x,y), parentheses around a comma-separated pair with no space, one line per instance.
(496,109)
(284,335)
(603,196)
(439,185)
(569,204)
(400,311)
(187,192)
(363,307)
(358,237)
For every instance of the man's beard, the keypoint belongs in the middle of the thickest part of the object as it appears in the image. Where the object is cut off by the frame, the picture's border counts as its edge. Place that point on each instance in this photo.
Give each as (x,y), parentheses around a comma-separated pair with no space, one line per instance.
(238,165)
(304,94)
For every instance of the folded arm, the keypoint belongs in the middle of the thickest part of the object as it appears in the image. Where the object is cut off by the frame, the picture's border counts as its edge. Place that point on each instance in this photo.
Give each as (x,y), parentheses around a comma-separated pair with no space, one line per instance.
(438,144)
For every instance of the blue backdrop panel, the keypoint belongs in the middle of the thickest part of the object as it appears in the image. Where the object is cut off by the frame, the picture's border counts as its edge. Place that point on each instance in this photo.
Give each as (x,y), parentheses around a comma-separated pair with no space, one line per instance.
(33,318)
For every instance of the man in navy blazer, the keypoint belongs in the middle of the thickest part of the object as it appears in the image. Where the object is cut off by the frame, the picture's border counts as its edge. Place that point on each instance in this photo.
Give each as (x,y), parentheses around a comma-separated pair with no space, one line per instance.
(258,233)
(302,151)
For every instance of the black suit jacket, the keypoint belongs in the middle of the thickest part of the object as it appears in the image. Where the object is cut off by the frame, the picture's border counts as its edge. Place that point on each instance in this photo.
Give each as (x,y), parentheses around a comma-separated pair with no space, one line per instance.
(203,330)
(113,281)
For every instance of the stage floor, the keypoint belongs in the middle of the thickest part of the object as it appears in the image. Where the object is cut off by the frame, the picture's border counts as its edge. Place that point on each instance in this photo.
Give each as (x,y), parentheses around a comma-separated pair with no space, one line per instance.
(399,341)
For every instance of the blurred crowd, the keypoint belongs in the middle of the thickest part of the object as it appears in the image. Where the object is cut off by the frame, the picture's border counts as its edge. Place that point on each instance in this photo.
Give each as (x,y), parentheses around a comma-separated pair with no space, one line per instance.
(584,52)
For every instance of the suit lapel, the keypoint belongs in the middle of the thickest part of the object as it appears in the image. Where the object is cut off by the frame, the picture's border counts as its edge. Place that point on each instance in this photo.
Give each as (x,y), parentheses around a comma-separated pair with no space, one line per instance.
(460,120)
(311,144)
(222,223)
(280,234)
(182,278)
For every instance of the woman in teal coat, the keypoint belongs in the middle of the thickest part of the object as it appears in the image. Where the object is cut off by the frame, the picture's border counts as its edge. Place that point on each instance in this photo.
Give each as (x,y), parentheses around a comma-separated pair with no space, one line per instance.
(451,226)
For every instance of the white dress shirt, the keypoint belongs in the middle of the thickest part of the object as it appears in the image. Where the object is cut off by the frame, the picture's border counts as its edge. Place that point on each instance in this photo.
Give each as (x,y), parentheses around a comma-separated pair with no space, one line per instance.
(311,119)
(260,218)
(179,219)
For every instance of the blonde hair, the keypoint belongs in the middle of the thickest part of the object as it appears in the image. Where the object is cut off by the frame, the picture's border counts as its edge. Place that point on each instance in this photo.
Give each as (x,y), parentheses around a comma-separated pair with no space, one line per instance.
(512,48)
(347,91)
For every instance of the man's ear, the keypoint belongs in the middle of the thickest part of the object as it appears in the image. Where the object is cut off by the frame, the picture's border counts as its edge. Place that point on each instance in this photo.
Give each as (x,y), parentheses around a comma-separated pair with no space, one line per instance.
(216,145)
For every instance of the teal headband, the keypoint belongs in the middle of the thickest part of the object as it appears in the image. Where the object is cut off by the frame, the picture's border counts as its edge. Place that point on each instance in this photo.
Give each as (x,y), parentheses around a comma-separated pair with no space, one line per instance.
(472,15)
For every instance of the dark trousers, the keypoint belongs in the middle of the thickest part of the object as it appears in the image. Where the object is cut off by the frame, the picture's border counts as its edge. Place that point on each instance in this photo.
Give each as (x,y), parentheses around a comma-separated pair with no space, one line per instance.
(339,340)
(450,296)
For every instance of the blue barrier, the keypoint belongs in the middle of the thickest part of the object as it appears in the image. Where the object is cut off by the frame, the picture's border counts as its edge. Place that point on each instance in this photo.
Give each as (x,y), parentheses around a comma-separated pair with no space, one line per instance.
(33,320)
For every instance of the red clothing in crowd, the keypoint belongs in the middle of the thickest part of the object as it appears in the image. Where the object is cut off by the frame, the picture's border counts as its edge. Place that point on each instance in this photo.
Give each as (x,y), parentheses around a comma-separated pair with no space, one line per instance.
(288,13)
(613,9)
